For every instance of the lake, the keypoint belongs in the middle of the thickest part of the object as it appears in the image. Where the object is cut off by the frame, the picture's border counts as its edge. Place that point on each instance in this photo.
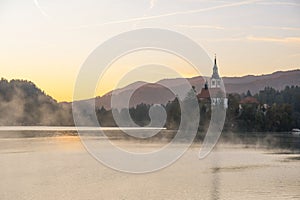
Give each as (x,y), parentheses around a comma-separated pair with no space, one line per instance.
(54,164)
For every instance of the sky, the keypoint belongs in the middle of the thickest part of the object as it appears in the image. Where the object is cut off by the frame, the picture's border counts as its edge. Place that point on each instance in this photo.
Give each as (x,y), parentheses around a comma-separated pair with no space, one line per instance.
(47,41)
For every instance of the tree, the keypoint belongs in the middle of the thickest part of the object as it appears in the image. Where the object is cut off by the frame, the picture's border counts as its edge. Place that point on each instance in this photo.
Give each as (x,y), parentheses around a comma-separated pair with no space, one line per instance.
(249,94)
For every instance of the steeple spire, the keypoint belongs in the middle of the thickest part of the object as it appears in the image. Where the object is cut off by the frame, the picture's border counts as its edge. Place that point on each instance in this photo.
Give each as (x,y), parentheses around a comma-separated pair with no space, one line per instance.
(215,74)
(215,60)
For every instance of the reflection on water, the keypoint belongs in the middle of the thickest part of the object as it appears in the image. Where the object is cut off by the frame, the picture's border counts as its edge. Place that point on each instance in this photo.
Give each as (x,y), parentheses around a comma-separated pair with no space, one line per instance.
(215,193)
(59,168)
(71,128)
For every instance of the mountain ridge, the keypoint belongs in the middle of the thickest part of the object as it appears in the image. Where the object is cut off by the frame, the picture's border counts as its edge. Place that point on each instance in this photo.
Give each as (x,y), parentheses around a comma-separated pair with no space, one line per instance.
(278,80)
(23,103)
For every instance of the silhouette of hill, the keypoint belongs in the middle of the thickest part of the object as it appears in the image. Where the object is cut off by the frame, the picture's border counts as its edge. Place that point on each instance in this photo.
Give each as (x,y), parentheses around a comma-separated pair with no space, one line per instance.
(157,93)
(22,103)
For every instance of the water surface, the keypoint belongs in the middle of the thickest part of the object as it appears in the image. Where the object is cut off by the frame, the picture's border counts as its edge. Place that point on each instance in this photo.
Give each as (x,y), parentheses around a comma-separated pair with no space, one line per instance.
(58,167)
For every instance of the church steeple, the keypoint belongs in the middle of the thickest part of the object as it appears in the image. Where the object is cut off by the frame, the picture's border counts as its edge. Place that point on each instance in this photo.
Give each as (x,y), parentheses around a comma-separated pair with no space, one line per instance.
(215,91)
(215,70)
(215,60)
(215,78)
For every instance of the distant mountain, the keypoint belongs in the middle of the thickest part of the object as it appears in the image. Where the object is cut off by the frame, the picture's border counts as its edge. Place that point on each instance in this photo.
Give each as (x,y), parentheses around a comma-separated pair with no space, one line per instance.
(156,93)
(22,103)
(278,80)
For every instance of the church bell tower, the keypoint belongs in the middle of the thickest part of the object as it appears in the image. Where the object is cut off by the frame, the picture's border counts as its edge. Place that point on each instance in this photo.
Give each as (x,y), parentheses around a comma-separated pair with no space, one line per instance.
(215,81)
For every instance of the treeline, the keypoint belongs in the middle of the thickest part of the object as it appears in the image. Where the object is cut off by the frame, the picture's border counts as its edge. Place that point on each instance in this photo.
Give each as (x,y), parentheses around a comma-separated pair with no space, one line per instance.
(275,111)
(22,103)
(270,111)
(141,114)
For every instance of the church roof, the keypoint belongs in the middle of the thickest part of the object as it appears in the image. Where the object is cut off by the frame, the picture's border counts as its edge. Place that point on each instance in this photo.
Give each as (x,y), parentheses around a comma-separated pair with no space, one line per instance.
(211,93)
(204,94)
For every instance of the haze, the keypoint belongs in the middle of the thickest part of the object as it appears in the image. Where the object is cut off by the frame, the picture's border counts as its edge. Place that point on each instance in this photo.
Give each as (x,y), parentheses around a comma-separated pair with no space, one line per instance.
(46,41)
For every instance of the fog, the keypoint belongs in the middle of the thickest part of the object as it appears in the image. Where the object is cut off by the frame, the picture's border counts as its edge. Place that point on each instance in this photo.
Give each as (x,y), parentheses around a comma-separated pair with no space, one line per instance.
(22,103)
(59,167)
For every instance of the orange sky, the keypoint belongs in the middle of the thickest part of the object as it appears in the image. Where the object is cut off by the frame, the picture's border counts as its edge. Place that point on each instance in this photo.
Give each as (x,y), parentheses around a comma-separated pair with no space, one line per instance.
(47,41)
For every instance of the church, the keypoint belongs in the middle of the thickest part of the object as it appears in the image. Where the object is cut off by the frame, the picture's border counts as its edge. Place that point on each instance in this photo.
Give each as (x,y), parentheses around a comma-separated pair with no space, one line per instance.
(213,91)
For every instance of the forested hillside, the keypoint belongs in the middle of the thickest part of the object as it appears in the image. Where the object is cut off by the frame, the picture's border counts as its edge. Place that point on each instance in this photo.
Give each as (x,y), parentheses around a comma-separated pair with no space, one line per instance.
(22,103)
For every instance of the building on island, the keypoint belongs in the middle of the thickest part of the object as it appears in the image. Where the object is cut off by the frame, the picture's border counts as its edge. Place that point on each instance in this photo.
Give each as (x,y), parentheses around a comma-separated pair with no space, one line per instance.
(214,93)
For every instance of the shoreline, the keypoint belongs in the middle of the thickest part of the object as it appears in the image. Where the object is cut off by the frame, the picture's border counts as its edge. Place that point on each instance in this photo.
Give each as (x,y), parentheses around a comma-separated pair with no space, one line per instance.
(268,142)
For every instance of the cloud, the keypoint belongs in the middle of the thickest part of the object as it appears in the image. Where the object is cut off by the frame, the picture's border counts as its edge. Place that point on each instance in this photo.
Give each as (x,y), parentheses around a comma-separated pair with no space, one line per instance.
(279,28)
(152,4)
(225,39)
(237,28)
(44,13)
(279,3)
(282,40)
(292,40)
(200,26)
(235,4)
(295,55)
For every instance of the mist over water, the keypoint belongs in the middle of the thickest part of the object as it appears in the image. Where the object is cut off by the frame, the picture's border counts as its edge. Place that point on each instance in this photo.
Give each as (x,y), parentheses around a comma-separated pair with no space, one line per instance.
(23,104)
(54,165)
(271,140)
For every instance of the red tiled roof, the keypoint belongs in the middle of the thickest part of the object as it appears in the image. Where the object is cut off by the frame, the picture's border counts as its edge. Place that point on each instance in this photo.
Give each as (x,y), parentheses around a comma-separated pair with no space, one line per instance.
(211,92)
(204,94)
(249,100)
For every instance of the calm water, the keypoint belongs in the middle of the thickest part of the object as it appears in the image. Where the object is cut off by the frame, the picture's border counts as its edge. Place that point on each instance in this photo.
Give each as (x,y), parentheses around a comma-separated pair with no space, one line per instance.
(56,166)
